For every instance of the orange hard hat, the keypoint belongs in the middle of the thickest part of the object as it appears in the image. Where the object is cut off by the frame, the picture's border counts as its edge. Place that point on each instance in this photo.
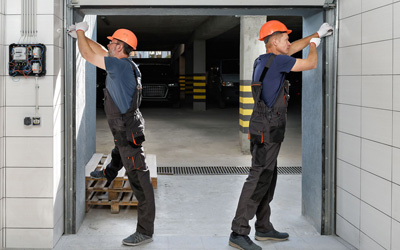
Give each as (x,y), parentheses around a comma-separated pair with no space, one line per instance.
(271,27)
(125,36)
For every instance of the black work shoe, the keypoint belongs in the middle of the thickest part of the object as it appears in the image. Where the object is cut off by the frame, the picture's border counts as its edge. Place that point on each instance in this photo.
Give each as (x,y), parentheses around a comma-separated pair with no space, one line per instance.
(271,235)
(98,174)
(242,242)
(137,239)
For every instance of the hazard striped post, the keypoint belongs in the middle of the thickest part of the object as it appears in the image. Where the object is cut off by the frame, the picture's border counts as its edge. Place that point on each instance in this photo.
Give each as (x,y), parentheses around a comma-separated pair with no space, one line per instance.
(182,86)
(199,92)
(189,85)
(246,106)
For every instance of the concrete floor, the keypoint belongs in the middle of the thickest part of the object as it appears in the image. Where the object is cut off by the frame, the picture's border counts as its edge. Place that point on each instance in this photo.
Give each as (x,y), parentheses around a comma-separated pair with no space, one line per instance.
(195,212)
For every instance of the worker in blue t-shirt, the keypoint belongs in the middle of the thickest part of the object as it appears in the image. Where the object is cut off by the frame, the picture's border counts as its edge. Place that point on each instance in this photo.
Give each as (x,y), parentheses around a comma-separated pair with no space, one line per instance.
(267,128)
(122,98)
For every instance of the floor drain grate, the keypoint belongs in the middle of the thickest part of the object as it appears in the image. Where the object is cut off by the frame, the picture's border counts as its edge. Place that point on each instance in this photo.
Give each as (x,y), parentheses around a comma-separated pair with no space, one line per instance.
(220,170)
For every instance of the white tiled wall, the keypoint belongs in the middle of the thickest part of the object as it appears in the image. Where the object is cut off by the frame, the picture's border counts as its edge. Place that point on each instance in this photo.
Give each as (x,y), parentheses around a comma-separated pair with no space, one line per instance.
(376,158)
(31,157)
(2,101)
(368,160)
(349,90)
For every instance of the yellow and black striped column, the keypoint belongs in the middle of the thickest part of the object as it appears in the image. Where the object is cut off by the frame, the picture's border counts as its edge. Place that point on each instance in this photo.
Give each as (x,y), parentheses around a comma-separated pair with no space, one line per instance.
(199,92)
(182,86)
(188,85)
(246,106)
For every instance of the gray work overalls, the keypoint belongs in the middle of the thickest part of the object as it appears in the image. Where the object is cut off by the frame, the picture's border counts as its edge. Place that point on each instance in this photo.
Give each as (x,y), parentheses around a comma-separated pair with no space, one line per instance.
(266,133)
(128,132)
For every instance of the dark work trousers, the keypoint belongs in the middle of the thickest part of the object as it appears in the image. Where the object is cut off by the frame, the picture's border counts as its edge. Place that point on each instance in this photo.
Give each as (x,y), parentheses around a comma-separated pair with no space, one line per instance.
(266,133)
(258,190)
(128,132)
(142,187)
(114,166)
(140,181)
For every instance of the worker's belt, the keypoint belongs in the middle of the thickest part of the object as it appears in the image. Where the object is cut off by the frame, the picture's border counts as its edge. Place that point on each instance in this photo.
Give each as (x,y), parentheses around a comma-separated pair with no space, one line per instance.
(268,111)
(127,114)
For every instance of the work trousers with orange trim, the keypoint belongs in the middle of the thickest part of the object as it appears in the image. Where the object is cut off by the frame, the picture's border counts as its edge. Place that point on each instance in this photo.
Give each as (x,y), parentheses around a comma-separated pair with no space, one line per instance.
(140,182)
(258,190)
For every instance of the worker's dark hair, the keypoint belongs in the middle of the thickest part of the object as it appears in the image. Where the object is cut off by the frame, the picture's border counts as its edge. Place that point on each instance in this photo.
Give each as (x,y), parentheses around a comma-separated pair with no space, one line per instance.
(266,39)
(127,48)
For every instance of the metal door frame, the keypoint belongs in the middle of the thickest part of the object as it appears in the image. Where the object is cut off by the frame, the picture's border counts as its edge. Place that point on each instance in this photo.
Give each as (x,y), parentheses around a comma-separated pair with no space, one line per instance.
(329,71)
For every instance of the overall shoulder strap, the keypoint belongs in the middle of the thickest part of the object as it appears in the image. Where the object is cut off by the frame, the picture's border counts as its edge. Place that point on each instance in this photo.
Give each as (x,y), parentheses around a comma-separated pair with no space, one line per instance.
(267,65)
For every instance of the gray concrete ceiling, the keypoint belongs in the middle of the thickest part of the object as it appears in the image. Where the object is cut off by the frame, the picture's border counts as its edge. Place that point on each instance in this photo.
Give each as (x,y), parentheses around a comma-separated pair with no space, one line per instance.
(158,32)
(165,32)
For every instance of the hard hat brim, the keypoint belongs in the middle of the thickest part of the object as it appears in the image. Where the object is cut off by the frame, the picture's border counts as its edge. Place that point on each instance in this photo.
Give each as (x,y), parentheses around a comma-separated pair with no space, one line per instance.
(287,31)
(110,38)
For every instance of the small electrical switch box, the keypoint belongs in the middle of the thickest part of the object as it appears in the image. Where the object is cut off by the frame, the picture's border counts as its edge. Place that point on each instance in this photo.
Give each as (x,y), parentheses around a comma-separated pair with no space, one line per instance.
(36,120)
(36,68)
(19,53)
(36,52)
(27,121)
(27,60)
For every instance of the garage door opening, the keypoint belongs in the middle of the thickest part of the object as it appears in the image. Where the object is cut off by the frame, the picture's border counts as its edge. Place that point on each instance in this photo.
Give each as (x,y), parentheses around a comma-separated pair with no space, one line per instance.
(222,66)
(166,120)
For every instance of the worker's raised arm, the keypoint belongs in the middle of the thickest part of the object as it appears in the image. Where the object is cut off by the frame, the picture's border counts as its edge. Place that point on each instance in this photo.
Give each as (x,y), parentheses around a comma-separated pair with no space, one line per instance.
(312,59)
(87,52)
(97,59)
(324,30)
(300,44)
(96,47)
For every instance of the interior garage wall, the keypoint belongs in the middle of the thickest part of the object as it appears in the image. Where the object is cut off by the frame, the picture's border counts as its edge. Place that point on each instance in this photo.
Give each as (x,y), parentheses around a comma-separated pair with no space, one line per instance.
(85,119)
(368,112)
(33,156)
(312,134)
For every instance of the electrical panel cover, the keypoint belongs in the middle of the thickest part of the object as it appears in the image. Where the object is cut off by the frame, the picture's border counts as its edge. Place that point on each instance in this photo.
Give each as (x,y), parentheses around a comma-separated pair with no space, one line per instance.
(27,60)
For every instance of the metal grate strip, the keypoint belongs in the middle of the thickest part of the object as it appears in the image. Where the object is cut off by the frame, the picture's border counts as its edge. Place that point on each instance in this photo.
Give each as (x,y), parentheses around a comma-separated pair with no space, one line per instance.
(221,170)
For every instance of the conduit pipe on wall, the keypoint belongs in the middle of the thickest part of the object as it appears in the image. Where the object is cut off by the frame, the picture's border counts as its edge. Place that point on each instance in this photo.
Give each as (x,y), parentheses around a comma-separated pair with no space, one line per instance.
(28,21)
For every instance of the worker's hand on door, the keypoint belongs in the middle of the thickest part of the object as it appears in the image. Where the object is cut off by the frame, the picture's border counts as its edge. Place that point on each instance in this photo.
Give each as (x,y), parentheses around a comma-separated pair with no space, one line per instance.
(82,26)
(72,31)
(325,30)
(317,41)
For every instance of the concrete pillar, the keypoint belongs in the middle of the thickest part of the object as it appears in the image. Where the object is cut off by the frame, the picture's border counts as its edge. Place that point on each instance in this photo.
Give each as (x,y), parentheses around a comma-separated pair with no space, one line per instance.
(250,49)
(199,75)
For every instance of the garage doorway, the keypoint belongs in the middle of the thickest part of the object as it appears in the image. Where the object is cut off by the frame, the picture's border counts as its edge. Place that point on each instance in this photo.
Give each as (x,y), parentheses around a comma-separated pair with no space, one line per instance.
(311,14)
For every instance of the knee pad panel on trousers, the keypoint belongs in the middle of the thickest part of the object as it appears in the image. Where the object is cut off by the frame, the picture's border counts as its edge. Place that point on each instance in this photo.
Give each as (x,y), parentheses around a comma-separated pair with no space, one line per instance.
(136,187)
(133,158)
(263,185)
(259,154)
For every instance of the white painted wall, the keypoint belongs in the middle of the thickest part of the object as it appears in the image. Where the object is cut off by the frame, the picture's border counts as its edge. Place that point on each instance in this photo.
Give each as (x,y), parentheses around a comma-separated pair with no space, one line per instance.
(31,158)
(368,149)
(2,92)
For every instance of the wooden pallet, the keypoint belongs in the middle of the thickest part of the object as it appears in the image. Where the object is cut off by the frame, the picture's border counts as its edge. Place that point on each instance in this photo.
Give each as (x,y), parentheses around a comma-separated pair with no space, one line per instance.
(118,192)
(101,199)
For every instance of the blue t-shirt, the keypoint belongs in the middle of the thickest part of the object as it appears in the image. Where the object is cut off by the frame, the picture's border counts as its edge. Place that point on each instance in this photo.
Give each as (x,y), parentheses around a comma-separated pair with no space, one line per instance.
(275,76)
(120,82)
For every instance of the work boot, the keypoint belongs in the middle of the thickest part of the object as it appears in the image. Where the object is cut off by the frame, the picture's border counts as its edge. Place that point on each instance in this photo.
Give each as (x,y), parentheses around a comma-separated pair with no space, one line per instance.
(271,235)
(242,242)
(98,174)
(137,239)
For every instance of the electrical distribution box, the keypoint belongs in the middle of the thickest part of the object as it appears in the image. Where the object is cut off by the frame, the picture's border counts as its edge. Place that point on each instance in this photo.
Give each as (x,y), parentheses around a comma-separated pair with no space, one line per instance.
(27,60)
